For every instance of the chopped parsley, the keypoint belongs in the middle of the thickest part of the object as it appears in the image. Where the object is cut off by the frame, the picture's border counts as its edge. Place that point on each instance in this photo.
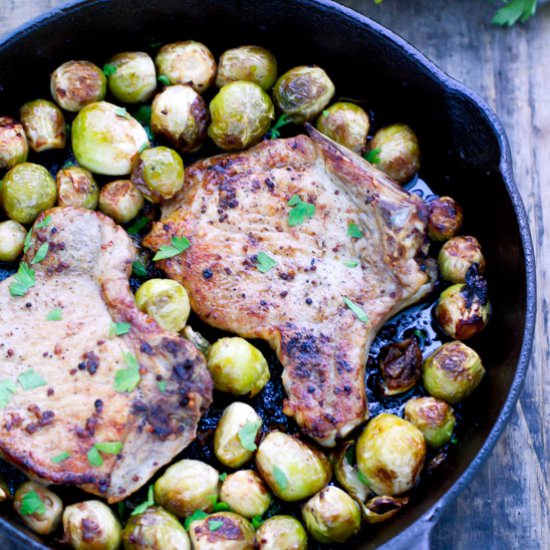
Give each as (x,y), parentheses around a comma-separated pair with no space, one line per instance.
(265,262)
(514,11)
(27,242)
(109,69)
(138,269)
(94,458)
(7,389)
(300,211)
(357,310)
(351,263)
(161,386)
(221,506)
(40,253)
(274,131)
(61,457)
(138,225)
(54,315)
(25,279)
(256,521)
(163,79)
(280,478)
(247,435)
(127,379)
(140,508)
(106,447)
(354,231)
(197,515)
(214,524)
(143,115)
(177,246)
(119,329)
(143,147)
(223,476)
(30,380)
(44,223)
(31,503)
(372,156)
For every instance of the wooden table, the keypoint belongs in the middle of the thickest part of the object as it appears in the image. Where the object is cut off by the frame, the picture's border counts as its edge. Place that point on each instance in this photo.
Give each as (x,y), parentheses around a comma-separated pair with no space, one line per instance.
(507,506)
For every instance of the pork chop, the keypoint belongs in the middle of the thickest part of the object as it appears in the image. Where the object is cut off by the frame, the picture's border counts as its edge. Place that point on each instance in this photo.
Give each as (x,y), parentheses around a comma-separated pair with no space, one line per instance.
(82,405)
(363,246)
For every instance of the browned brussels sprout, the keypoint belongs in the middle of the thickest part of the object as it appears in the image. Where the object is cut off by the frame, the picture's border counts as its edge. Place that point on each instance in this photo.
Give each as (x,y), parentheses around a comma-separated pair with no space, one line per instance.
(251,63)
(433,417)
(132,77)
(76,187)
(121,200)
(456,257)
(245,493)
(281,532)
(400,365)
(345,123)
(222,531)
(38,507)
(12,240)
(347,473)
(44,125)
(13,143)
(444,218)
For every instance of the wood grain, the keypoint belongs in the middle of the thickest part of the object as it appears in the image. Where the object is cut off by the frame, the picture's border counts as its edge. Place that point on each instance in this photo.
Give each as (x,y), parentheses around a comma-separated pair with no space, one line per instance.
(507,506)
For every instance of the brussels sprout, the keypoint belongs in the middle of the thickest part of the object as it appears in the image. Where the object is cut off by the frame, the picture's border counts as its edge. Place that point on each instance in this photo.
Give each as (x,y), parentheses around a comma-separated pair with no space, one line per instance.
(345,123)
(132,77)
(331,516)
(186,486)
(452,372)
(44,125)
(179,114)
(158,173)
(27,190)
(444,218)
(347,474)
(155,529)
(38,507)
(121,200)
(293,469)
(251,63)
(237,367)
(390,454)
(241,114)
(76,187)
(76,84)
(228,446)
(165,301)
(222,531)
(91,525)
(379,509)
(245,493)
(13,143)
(303,92)
(106,139)
(456,257)
(434,418)
(398,151)
(187,62)
(197,339)
(400,365)
(281,533)
(12,240)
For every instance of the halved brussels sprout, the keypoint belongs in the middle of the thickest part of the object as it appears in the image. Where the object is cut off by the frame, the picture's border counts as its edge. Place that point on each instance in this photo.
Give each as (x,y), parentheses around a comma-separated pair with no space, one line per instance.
(179,114)
(241,114)
(121,200)
(251,63)
(457,256)
(379,509)
(14,148)
(27,190)
(187,62)
(76,187)
(345,123)
(390,454)
(293,469)
(91,525)
(245,493)
(132,77)
(237,367)
(433,417)
(12,240)
(76,84)
(303,92)
(452,372)
(444,218)
(106,139)
(281,533)
(222,531)
(166,301)
(38,507)
(331,516)
(186,486)
(197,339)
(346,471)
(44,125)
(400,365)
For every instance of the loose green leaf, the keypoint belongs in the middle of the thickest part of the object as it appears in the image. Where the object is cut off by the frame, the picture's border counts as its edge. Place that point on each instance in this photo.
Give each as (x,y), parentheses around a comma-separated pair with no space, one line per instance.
(351,263)
(61,457)
(28,241)
(300,211)
(357,311)
(256,521)
(265,262)
(25,279)
(7,389)
(223,476)
(143,115)
(325,113)
(214,524)
(247,435)
(109,69)
(109,447)
(44,223)
(55,315)
(31,503)
(362,477)
(274,131)
(163,79)
(280,478)
(119,329)
(221,507)
(138,225)
(179,245)
(373,156)
(162,386)
(354,231)
(30,380)
(127,379)
(514,11)
(40,253)
(140,508)
(139,270)
(94,458)
(195,516)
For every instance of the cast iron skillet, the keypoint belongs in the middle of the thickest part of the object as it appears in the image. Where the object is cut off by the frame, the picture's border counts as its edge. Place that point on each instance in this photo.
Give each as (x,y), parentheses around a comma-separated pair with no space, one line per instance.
(465,155)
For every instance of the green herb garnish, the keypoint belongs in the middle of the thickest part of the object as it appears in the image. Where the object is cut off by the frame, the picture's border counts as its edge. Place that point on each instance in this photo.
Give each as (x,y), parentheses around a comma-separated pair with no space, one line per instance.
(256,521)
(55,315)
(351,263)
(44,223)
(40,253)
(139,270)
(247,435)
(140,508)
(274,131)
(161,386)
(357,310)
(94,458)
(7,389)
(106,447)
(354,231)
(163,79)
(300,211)
(31,503)
(514,11)
(179,245)
(221,506)
(25,279)
(143,115)
(30,380)
(127,379)
(372,156)
(60,457)
(265,262)
(280,478)
(138,225)
(223,476)
(109,69)
(362,477)
(195,516)
(119,329)
(214,524)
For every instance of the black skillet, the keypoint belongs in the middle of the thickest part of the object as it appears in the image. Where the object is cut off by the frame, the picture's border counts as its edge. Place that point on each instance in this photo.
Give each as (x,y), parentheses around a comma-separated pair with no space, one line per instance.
(465,155)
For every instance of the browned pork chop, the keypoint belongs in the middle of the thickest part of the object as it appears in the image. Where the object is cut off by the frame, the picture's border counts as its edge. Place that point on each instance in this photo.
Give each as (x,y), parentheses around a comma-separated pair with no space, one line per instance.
(234,207)
(77,364)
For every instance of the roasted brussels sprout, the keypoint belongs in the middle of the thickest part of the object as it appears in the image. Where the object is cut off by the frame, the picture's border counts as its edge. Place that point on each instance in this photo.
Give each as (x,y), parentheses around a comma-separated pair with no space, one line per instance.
(44,125)
(222,531)
(457,256)
(27,190)
(121,200)
(303,92)
(345,123)
(187,62)
(344,463)
(197,339)
(379,509)
(237,367)
(38,507)
(132,77)
(331,516)
(186,486)
(251,63)
(241,114)
(13,143)
(433,417)
(91,525)
(281,533)
(444,218)
(398,151)
(400,365)
(293,469)
(106,139)
(76,84)
(12,240)
(154,529)
(390,454)
(166,301)
(452,372)
(245,493)
(76,187)
(228,445)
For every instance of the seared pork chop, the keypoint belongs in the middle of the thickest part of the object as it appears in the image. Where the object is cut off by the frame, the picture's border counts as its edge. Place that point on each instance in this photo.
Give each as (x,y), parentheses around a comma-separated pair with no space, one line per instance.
(234,207)
(82,405)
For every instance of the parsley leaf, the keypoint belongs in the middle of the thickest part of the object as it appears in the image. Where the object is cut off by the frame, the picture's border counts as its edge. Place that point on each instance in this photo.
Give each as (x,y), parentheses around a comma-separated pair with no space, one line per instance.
(121,111)
(163,79)
(256,521)
(127,379)
(40,253)
(143,115)
(107,447)
(140,508)
(139,270)
(195,516)
(357,310)
(61,457)
(274,131)
(31,503)
(351,263)
(30,380)
(372,156)
(354,231)
(280,478)
(221,506)
(161,386)
(24,280)
(54,315)
(214,524)
(94,458)
(138,225)
(362,477)
(223,476)
(7,389)
(265,262)
(179,245)
(300,211)
(247,435)
(514,11)
(119,329)
(27,242)
(109,69)
(44,223)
